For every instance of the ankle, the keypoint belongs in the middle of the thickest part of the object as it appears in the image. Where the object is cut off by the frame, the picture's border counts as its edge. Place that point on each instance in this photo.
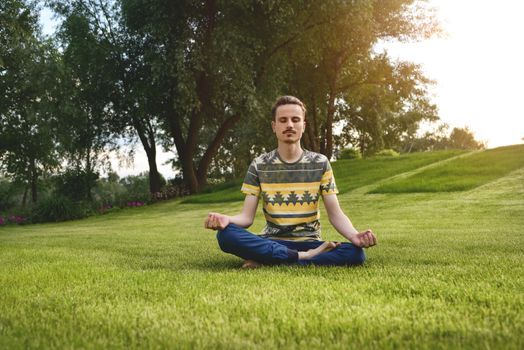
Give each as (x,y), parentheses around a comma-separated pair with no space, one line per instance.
(304,255)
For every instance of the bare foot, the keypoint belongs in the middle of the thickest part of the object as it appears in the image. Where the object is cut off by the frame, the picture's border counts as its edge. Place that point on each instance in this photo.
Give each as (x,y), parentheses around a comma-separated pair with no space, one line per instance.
(324,247)
(251,264)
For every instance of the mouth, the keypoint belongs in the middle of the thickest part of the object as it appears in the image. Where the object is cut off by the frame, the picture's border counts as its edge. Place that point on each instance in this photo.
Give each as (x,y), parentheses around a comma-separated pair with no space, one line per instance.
(290,132)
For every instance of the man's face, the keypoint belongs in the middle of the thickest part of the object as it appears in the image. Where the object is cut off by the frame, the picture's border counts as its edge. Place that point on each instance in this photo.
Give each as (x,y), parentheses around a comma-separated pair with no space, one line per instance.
(289,123)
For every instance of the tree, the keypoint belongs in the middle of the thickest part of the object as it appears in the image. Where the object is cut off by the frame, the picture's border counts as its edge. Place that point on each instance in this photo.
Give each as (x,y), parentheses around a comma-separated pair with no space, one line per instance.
(441,138)
(214,61)
(130,104)
(343,81)
(202,71)
(463,138)
(28,77)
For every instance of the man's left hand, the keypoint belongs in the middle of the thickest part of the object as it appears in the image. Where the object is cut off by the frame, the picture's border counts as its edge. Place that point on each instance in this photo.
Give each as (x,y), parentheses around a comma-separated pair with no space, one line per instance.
(364,239)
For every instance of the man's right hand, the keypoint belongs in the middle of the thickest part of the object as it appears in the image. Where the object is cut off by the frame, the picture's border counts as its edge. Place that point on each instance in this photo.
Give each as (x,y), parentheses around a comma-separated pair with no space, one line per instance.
(216,221)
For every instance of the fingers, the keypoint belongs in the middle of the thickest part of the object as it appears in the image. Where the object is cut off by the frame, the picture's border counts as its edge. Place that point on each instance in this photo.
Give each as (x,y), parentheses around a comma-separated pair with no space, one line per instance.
(373,239)
(367,239)
(214,221)
(211,221)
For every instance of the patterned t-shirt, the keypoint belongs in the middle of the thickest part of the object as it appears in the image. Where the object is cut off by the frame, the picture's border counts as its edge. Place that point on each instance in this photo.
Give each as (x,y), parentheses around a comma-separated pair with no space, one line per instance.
(290,193)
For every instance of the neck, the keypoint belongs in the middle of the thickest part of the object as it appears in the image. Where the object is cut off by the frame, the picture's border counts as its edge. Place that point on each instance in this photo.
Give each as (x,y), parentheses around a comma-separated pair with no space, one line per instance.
(289,152)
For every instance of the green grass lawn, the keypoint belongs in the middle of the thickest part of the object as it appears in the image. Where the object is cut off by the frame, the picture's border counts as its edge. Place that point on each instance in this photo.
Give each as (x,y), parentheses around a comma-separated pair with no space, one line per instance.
(447,273)
(461,173)
(354,173)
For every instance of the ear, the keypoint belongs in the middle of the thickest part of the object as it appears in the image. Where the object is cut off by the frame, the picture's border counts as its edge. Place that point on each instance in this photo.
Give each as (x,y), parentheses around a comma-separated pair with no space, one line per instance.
(273,124)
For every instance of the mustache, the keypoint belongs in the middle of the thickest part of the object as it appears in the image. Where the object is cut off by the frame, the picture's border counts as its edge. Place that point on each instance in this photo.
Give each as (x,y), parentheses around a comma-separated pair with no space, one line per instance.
(288,131)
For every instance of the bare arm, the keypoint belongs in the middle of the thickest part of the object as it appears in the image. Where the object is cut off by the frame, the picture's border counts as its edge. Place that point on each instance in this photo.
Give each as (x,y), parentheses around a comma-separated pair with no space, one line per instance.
(216,221)
(343,225)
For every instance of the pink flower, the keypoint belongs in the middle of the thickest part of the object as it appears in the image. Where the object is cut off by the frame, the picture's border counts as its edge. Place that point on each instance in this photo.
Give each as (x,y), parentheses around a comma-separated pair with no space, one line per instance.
(17,219)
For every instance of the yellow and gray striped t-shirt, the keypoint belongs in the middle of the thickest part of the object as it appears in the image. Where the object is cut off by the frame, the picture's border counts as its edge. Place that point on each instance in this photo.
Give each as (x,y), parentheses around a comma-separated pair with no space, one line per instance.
(290,193)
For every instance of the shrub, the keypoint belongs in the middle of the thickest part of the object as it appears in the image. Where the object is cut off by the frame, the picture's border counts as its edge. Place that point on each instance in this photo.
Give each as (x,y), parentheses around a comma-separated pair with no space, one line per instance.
(17,219)
(107,192)
(76,183)
(59,208)
(387,153)
(6,195)
(350,153)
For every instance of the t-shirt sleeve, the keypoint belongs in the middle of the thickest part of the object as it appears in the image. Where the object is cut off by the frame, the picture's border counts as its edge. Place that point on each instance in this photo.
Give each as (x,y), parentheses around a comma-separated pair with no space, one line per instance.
(251,184)
(327,183)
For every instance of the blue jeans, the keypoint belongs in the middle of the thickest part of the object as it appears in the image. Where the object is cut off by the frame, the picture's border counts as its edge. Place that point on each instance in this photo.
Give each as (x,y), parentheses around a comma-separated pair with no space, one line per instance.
(238,241)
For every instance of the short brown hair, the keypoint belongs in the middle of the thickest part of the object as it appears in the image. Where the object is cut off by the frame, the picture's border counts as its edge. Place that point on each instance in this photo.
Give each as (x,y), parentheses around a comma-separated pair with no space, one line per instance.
(287,100)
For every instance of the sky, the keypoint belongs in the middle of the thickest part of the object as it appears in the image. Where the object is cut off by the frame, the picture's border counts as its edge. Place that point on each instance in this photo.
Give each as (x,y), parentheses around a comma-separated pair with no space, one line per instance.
(477,66)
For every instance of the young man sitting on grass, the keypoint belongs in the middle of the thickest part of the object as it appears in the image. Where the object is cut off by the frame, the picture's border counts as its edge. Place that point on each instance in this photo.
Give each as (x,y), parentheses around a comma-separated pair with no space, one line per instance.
(290,181)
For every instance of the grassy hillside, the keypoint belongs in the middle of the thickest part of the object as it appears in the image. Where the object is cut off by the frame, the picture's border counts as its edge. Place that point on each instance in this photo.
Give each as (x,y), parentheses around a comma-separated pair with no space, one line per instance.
(349,174)
(447,273)
(460,174)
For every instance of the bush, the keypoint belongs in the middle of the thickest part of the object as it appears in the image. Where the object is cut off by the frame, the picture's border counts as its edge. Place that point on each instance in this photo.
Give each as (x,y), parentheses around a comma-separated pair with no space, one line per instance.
(387,153)
(350,153)
(6,195)
(59,208)
(76,183)
(107,192)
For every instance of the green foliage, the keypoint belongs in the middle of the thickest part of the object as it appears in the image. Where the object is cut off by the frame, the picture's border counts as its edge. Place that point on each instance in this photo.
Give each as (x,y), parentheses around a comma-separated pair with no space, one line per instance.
(446,274)
(136,189)
(136,184)
(460,174)
(440,138)
(58,208)
(350,153)
(108,192)
(464,139)
(76,184)
(6,195)
(387,153)
(191,75)
(28,81)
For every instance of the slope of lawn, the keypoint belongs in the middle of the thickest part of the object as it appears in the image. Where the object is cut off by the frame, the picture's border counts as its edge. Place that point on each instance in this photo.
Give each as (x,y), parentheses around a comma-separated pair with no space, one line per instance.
(460,174)
(447,273)
(354,173)
(226,192)
(349,174)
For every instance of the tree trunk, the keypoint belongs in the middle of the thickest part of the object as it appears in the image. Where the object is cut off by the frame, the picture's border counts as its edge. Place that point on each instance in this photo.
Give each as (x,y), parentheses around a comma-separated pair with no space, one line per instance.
(34,179)
(155,184)
(149,144)
(24,198)
(329,125)
(312,127)
(88,174)
(322,140)
(212,149)
(331,105)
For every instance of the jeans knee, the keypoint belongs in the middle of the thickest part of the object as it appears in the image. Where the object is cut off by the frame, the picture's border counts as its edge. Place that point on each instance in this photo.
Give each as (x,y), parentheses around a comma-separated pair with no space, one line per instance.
(359,257)
(226,238)
(354,255)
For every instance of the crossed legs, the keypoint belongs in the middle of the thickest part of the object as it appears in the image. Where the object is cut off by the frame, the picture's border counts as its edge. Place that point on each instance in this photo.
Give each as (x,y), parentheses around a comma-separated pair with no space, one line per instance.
(256,250)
